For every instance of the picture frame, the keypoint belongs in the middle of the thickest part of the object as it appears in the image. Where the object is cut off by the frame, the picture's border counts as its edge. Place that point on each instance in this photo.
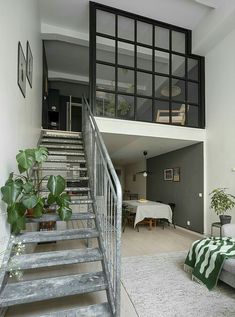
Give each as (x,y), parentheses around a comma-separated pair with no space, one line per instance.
(176,177)
(29,65)
(21,70)
(168,174)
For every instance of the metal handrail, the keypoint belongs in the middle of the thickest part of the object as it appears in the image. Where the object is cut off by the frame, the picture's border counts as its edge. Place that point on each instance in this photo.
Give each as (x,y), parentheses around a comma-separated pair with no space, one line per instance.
(107,196)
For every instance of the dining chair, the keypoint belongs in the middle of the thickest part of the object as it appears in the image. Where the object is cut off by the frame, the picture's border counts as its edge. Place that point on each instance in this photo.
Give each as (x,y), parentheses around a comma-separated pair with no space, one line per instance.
(177,115)
(128,217)
(163,221)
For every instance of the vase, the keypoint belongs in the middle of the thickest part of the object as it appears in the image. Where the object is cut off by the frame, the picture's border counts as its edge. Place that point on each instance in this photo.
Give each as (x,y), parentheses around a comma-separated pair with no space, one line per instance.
(225,219)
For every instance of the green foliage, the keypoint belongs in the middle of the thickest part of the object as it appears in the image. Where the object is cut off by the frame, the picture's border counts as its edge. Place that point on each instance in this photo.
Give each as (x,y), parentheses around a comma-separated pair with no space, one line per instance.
(22,192)
(221,201)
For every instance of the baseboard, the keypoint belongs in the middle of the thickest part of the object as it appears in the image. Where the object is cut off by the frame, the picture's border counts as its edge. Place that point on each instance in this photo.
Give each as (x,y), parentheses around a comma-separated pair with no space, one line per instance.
(200,235)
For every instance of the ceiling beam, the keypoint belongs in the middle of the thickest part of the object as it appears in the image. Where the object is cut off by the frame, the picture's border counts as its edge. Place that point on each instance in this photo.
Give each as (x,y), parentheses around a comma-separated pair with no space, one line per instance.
(52,32)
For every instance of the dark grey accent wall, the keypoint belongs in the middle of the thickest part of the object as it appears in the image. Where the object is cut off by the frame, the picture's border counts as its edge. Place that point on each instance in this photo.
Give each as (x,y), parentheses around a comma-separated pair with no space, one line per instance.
(185,194)
(70,89)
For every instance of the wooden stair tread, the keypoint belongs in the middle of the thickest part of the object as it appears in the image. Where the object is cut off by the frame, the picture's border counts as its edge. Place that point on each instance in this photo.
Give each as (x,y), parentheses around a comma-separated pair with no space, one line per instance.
(49,288)
(54,258)
(47,236)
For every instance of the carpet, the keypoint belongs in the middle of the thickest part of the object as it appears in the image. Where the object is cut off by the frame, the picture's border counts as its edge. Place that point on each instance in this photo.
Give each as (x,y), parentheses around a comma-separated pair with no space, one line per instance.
(158,286)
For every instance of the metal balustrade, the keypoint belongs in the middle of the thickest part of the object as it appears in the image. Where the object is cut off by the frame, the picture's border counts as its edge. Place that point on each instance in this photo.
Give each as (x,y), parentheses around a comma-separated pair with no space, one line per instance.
(107,196)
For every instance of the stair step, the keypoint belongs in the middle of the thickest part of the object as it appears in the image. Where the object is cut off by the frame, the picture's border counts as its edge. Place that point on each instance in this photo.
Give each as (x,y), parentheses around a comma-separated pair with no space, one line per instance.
(81,201)
(99,310)
(54,217)
(60,168)
(61,141)
(70,180)
(66,153)
(54,258)
(54,287)
(64,147)
(70,189)
(47,236)
(61,134)
(65,161)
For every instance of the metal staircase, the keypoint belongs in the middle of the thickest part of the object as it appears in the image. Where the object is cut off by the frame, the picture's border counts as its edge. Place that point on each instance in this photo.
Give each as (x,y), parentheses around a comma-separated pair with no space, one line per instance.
(82,159)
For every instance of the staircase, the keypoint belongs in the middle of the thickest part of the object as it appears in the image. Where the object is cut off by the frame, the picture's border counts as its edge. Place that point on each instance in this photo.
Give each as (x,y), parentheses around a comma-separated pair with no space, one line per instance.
(82,159)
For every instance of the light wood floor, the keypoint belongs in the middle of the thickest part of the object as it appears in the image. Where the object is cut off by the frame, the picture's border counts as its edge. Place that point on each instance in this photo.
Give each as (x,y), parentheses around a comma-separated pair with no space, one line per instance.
(134,243)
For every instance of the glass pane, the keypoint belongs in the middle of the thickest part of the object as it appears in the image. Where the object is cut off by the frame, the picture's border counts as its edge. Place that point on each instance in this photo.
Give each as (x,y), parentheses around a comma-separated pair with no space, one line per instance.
(126,80)
(178,114)
(193,92)
(126,54)
(161,111)
(105,77)
(192,69)
(161,37)
(144,33)
(105,49)
(162,62)
(126,28)
(125,109)
(144,109)
(193,115)
(162,87)
(178,90)
(105,22)
(178,42)
(144,84)
(178,66)
(144,58)
(105,104)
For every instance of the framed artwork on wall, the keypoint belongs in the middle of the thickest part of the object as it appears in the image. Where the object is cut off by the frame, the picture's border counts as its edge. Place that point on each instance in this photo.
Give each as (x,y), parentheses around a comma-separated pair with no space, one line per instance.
(21,71)
(176,177)
(168,174)
(29,67)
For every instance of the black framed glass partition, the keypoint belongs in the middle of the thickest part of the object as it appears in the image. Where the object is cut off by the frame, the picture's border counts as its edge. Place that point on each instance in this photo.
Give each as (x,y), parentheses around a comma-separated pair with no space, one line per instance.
(143,70)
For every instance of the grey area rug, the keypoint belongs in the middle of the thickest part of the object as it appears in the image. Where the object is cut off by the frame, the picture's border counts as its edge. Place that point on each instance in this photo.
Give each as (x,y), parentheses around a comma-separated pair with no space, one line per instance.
(158,286)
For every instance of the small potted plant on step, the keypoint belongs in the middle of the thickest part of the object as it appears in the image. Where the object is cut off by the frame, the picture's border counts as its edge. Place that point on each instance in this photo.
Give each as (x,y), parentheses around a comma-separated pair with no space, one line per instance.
(222,202)
(24,194)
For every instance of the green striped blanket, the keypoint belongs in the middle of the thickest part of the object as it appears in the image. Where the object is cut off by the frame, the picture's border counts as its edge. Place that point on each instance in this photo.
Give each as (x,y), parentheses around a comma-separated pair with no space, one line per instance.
(206,257)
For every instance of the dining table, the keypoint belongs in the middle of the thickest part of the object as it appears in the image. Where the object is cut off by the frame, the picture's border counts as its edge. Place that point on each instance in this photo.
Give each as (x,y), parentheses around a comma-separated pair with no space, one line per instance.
(149,209)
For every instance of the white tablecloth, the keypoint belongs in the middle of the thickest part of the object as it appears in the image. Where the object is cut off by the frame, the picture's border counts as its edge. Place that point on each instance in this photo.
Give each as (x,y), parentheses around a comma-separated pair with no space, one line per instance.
(149,209)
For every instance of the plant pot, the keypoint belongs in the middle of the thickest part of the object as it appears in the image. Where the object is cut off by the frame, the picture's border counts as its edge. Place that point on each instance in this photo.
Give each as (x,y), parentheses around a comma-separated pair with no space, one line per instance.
(225,219)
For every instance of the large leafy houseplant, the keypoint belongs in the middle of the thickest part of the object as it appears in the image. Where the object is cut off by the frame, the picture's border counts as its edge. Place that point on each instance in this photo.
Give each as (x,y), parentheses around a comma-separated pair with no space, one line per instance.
(23,192)
(221,202)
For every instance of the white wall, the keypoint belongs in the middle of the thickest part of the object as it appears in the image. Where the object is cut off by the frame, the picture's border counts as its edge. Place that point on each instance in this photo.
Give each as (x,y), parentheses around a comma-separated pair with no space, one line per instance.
(20,118)
(220,121)
(139,186)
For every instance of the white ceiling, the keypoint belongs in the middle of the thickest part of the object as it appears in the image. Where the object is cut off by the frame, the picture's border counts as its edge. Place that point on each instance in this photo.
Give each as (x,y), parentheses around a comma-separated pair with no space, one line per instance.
(67,58)
(74,14)
(127,149)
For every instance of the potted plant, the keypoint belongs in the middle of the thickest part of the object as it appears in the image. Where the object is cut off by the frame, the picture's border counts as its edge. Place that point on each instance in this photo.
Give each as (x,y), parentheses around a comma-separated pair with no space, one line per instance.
(222,202)
(22,193)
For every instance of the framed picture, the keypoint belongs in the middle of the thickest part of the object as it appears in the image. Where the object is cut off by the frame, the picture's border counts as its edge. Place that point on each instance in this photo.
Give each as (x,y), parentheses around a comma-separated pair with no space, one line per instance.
(176,177)
(29,67)
(168,174)
(21,76)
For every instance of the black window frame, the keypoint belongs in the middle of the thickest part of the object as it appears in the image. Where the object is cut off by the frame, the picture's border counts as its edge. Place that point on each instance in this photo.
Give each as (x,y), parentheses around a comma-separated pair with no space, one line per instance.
(188,55)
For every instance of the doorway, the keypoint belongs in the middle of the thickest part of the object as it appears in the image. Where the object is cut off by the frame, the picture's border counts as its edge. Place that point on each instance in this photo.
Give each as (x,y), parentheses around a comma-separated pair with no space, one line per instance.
(74,117)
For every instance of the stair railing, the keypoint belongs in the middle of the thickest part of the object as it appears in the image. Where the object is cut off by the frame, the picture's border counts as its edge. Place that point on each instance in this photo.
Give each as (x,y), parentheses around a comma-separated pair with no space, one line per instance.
(107,195)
